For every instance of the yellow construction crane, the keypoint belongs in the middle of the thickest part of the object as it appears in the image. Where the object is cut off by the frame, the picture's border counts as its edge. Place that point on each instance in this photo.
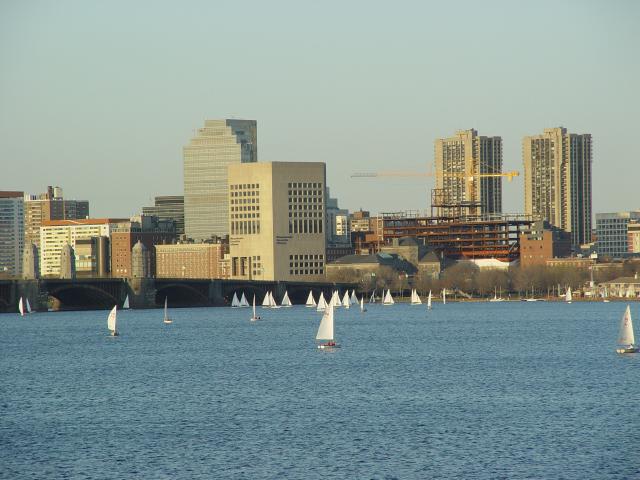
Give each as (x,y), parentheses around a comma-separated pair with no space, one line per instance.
(395,173)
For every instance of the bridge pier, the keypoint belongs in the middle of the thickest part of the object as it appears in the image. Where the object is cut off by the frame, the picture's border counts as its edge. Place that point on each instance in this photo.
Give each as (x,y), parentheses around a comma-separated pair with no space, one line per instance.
(142,292)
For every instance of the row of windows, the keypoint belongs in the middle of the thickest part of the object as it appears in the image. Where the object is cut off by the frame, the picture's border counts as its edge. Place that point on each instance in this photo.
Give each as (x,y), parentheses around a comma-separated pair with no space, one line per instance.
(304,200)
(244,186)
(305,193)
(305,185)
(245,227)
(305,226)
(246,208)
(244,201)
(305,215)
(256,265)
(246,193)
(315,271)
(306,257)
(245,215)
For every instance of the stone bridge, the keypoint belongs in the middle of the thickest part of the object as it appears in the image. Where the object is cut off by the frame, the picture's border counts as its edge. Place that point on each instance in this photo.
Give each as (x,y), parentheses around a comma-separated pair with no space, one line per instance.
(102,293)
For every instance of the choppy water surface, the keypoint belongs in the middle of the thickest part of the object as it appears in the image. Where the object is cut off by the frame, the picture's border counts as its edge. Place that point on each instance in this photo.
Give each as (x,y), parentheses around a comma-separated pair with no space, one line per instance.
(475,390)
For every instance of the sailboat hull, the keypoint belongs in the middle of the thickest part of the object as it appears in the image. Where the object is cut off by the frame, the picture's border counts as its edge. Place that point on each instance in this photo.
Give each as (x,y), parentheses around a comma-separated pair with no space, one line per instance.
(328,346)
(628,350)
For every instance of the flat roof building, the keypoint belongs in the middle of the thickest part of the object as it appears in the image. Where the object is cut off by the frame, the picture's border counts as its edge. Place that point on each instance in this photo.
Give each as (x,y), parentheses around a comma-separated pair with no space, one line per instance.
(11,233)
(191,260)
(277,221)
(219,144)
(612,234)
(168,207)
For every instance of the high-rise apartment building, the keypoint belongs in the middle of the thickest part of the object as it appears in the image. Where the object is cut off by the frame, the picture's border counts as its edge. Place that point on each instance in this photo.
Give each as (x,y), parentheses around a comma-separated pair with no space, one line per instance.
(557,181)
(168,207)
(11,233)
(277,221)
(612,233)
(460,189)
(216,146)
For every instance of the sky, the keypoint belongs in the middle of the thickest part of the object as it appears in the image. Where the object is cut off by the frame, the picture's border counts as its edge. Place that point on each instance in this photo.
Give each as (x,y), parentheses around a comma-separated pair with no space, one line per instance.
(100,97)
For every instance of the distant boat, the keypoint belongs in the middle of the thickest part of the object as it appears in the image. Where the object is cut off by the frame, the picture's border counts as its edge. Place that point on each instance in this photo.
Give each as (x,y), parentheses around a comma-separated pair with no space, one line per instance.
(166,315)
(28,305)
(235,303)
(254,317)
(362,309)
(429,301)
(415,298)
(266,302)
(444,296)
(325,330)
(310,300)
(335,299)
(372,298)
(272,301)
(285,300)
(21,307)
(388,299)
(625,336)
(111,321)
(243,301)
(568,297)
(496,298)
(322,303)
(345,300)
(125,305)
(354,298)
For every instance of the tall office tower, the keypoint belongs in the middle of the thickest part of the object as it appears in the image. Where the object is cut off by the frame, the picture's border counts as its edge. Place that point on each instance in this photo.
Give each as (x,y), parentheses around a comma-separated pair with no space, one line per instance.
(459,188)
(557,181)
(277,221)
(216,146)
(168,207)
(46,206)
(11,233)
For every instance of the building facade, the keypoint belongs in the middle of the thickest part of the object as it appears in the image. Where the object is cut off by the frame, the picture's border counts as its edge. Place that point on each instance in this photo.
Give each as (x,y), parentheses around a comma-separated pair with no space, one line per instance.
(557,177)
(216,146)
(543,242)
(168,207)
(612,234)
(459,162)
(633,237)
(277,221)
(11,233)
(191,260)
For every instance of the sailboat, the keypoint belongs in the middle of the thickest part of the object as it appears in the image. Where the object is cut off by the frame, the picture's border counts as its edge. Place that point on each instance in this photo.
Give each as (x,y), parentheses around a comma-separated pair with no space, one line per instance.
(310,300)
(325,330)
(335,299)
(415,298)
(166,316)
(272,301)
(125,305)
(429,301)
(354,298)
(605,294)
(266,301)
(568,297)
(372,298)
(243,301)
(21,307)
(28,305)
(625,336)
(111,321)
(235,303)
(254,317)
(362,309)
(388,299)
(444,296)
(345,300)
(322,303)
(496,298)
(285,300)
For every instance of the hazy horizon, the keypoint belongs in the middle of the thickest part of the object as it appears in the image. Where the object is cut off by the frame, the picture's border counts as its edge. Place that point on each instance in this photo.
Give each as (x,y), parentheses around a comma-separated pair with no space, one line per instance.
(100,98)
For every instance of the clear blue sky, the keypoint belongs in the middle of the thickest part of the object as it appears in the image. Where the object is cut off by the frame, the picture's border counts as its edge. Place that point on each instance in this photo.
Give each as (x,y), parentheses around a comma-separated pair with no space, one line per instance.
(100,97)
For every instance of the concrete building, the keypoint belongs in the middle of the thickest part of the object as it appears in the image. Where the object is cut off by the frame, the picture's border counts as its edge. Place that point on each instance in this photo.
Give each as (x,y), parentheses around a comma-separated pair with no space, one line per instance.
(168,207)
(277,221)
(216,146)
(125,235)
(92,257)
(50,205)
(11,233)
(557,178)
(54,234)
(67,264)
(191,260)
(612,235)
(633,237)
(459,160)
(543,242)
(30,262)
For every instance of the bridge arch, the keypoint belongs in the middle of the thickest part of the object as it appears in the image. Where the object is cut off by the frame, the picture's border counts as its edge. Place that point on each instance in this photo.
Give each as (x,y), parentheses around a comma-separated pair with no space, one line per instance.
(82,296)
(182,294)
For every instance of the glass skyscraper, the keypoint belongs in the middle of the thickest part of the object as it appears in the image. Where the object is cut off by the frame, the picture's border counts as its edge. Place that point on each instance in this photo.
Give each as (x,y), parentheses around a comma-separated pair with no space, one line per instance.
(217,145)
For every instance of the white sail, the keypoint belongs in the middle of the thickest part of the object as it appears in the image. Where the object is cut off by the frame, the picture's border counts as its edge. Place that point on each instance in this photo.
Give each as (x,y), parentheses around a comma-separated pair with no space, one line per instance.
(362,304)
(310,300)
(166,315)
(111,319)
(568,296)
(388,299)
(444,296)
(415,298)
(325,330)
(429,300)
(254,317)
(372,298)
(243,301)
(345,300)
(235,303)
(21,307)
(322,303)
(125,305)
(625,336)
(28,305)
(335,299)
(354,298)
(285,300)
(265,300)
(272,301)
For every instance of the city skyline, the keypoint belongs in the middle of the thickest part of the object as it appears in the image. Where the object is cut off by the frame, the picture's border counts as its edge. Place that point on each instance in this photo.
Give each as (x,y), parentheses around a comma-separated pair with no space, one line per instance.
(105,120)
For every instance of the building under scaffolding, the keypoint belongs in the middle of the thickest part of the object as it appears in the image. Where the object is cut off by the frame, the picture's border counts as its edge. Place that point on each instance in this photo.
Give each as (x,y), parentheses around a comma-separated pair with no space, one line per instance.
(457,237)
